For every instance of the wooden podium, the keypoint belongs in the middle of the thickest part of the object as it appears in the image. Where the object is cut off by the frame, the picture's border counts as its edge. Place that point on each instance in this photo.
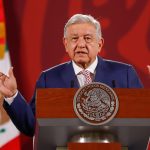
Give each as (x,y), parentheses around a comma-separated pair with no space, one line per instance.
(57,121)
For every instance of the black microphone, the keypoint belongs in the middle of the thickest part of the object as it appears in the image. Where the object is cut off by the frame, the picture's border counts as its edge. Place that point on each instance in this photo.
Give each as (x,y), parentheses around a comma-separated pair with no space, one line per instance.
(72,83)
(113,83)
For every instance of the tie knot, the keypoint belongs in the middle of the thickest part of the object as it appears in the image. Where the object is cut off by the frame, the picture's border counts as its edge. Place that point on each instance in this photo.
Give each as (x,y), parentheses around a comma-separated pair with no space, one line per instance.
(87,76)
(85,72)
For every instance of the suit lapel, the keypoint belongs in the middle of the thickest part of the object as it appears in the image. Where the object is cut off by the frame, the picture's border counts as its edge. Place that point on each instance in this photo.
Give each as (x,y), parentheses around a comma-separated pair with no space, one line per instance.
(100,71)
(103,73)
(69,76)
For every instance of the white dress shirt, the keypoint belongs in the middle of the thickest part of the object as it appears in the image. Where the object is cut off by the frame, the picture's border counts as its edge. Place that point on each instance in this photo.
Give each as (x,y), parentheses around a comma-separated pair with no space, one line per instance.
(80,77)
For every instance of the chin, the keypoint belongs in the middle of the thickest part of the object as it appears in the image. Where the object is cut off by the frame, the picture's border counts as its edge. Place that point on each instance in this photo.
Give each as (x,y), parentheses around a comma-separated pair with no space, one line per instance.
(81,62)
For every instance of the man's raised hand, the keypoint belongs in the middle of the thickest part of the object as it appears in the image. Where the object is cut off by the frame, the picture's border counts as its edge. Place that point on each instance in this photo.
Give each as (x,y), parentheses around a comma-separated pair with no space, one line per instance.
(8,84)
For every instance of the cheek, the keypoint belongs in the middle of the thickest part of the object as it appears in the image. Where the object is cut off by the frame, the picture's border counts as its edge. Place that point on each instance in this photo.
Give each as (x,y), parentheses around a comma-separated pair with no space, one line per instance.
(93,50)
(71,47)
(70,51)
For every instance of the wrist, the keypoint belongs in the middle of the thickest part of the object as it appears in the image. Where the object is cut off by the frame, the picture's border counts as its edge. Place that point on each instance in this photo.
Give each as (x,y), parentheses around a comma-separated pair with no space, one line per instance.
(14,93)
(12,97)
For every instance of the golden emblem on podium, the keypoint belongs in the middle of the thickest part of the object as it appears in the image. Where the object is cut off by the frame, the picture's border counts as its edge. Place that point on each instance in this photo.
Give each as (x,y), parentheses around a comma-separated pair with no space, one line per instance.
(96,103)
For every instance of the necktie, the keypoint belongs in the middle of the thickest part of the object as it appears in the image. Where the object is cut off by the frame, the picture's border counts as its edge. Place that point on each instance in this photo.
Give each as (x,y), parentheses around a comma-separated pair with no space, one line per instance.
(87,76)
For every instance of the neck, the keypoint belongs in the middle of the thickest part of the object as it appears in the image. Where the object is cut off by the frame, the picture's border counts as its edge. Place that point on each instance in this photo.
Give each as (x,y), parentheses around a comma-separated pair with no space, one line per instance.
(83,65)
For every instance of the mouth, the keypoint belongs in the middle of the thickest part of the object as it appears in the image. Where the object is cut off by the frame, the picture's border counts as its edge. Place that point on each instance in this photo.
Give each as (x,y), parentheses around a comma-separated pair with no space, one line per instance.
(81,52)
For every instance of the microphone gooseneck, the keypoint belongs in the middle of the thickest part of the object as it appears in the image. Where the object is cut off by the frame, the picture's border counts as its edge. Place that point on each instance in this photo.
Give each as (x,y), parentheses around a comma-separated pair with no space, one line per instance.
(72,83)
(113,83)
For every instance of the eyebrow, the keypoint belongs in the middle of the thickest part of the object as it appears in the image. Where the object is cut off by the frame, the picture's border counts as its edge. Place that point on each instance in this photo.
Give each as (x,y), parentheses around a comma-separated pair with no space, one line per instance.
(88,35)
(74,34)
(83,35)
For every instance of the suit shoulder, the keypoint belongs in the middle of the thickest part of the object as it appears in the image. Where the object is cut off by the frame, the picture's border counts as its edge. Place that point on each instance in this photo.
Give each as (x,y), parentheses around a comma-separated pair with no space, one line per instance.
(116,64)
(57,68)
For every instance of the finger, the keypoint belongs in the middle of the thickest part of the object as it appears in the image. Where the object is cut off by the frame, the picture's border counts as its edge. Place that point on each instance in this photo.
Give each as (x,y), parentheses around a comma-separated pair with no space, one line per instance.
(1,80)
(1,72)
(10,72)
(5,92)
(3,76)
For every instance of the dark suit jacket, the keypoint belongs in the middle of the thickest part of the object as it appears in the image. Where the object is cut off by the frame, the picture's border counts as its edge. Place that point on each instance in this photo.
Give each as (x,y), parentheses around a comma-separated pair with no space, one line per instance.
(63,76)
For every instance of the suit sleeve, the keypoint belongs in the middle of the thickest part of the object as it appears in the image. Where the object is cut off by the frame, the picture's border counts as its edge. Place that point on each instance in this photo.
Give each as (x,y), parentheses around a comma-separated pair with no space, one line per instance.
(22,113)
(133,79)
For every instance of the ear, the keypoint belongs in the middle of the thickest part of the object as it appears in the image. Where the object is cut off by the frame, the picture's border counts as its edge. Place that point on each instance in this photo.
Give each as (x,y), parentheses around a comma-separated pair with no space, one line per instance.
(65,44)
(100,44)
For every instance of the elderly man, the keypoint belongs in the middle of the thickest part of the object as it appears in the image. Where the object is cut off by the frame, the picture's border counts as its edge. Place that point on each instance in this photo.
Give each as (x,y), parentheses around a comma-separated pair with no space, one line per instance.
(83,41)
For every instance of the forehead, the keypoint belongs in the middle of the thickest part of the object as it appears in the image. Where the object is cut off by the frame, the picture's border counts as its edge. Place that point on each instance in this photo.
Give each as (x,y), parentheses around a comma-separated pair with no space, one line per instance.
(81,29)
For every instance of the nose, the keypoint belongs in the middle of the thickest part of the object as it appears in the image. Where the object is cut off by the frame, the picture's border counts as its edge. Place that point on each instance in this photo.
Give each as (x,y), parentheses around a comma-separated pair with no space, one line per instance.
(81,42)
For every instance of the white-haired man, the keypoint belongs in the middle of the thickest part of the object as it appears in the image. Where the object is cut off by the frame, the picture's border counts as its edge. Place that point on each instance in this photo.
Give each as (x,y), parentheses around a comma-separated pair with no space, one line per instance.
(83,41)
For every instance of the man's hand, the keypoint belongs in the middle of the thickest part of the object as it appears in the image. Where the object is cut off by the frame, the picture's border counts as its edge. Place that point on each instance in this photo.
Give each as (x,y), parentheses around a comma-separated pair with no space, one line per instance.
(8,84)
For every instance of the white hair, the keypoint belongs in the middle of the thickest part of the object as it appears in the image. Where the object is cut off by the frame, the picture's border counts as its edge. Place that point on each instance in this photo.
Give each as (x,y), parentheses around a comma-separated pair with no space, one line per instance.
(80,18)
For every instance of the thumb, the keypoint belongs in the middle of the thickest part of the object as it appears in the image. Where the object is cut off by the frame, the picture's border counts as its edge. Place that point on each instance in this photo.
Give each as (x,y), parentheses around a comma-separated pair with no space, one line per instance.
(10,72)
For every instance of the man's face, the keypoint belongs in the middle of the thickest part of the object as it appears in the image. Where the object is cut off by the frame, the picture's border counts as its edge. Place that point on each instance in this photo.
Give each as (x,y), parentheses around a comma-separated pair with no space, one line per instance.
(82,43)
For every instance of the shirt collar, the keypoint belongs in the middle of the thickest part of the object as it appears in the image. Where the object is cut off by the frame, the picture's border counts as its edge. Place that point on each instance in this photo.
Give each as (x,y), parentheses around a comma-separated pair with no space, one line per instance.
(91,68)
